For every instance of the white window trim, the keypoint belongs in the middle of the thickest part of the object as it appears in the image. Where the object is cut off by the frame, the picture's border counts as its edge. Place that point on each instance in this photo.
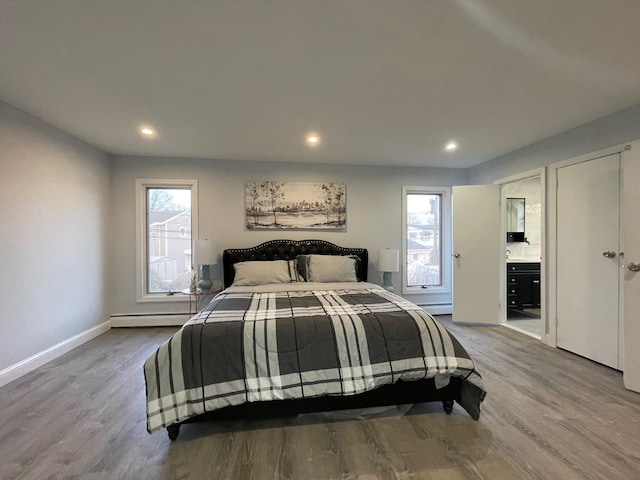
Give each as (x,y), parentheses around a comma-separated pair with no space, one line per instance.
(446,265)
(141,245)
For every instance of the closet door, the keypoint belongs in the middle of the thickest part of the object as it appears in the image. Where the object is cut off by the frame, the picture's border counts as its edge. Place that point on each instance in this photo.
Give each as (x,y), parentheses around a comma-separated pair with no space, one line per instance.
(588,268)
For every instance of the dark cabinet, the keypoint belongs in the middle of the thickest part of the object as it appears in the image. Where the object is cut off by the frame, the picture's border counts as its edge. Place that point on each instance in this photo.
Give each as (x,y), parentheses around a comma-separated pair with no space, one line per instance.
(523,285)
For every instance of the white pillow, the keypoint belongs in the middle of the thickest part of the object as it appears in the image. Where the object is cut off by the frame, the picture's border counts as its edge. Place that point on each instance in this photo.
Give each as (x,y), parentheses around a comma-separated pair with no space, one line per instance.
(261,273)
(331,268)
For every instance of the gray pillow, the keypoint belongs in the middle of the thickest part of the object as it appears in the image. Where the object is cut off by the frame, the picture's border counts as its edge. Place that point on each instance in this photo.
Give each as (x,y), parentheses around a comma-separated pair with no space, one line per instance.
(331,268)
(261,273)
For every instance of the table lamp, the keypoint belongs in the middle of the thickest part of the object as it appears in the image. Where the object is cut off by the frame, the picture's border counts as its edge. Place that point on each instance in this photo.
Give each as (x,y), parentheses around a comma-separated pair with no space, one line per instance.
(388,262)
(205,253)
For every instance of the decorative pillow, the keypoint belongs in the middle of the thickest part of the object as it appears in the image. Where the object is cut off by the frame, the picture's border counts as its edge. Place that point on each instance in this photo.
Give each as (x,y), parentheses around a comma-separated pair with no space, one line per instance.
(302,263)
(331,268)
(261,273)
(294,271)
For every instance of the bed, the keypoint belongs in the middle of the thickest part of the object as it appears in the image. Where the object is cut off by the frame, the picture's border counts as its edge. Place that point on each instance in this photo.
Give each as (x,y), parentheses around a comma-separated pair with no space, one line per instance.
(299,329)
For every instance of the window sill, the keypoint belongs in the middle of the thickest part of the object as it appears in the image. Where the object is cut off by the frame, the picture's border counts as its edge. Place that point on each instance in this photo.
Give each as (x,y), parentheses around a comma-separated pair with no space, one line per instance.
(425,291)
(163,298)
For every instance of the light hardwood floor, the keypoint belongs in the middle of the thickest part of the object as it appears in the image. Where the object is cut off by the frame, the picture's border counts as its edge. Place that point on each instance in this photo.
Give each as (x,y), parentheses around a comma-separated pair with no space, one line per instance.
(548,415)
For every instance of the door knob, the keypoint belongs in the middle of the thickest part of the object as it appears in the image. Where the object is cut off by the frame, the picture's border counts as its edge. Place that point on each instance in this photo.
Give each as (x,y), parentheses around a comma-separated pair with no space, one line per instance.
(609,254)
(457,255)
(634,267)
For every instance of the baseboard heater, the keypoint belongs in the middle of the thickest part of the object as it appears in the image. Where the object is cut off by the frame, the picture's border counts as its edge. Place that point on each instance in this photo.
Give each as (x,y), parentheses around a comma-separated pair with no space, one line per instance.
(119,320)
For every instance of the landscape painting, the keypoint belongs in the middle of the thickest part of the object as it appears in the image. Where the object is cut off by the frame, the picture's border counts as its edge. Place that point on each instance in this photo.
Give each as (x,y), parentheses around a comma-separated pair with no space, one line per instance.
(271,205)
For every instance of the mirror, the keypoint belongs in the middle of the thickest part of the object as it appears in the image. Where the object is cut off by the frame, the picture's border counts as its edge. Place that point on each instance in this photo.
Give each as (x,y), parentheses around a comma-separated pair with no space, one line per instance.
(515,219)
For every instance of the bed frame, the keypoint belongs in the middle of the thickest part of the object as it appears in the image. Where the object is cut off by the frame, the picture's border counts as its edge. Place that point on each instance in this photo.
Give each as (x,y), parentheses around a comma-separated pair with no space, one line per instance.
(399,393)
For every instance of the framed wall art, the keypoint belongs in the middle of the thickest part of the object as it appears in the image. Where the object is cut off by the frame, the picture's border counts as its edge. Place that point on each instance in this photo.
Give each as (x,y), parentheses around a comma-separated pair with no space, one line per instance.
(271,205)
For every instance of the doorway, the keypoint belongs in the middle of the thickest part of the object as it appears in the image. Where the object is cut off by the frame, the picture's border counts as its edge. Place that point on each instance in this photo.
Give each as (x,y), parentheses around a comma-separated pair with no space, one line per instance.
(522,291)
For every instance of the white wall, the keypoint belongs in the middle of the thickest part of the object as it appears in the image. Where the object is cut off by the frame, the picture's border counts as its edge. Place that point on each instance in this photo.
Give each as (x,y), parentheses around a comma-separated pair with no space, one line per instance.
(615,129)
(54,218)
(374,204)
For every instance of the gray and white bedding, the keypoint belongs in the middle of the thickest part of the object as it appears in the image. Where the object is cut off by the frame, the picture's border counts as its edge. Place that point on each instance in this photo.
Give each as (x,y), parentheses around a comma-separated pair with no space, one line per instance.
(300,340)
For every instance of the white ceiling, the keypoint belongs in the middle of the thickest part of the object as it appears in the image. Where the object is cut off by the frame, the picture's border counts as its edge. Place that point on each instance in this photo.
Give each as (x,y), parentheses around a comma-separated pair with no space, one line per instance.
(383,82)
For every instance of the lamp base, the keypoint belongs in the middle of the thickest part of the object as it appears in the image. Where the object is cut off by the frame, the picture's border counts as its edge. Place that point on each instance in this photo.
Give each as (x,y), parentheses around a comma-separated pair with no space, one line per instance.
(205,282)
(386,281)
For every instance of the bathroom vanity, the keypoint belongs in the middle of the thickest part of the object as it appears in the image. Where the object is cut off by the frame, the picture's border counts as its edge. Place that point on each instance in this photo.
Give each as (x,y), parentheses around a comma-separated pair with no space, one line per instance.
(523,284)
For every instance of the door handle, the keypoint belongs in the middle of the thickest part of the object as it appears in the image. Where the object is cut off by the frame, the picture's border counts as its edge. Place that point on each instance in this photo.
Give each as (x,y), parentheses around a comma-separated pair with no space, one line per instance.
(457,255)
(634,267)
(609,254)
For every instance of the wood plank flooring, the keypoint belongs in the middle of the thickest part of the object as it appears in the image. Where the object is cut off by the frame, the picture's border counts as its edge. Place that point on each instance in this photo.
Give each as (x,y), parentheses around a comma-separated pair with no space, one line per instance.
(548,415)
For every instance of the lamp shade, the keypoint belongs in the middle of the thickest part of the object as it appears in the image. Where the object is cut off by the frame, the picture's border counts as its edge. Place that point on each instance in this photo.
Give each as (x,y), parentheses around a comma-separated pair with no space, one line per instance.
(205,252)
(389,260)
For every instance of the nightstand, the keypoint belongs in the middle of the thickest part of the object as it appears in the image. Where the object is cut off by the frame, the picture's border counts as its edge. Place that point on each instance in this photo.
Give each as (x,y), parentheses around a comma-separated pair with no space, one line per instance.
(194,299)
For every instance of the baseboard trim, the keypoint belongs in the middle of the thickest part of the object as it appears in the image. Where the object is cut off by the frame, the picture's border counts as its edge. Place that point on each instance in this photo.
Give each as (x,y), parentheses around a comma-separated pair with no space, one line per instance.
(149,320)
(439,309)
(477,324)
(27,365)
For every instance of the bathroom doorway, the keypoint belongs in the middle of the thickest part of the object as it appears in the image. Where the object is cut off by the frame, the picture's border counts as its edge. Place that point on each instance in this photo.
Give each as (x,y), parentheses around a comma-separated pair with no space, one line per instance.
(523,198)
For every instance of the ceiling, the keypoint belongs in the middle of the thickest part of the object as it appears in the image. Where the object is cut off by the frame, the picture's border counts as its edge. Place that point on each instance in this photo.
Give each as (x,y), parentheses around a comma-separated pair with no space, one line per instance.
(382,82)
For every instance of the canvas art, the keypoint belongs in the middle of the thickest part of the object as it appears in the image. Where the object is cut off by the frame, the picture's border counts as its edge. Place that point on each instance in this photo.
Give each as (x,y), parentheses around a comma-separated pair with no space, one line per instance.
(271,205)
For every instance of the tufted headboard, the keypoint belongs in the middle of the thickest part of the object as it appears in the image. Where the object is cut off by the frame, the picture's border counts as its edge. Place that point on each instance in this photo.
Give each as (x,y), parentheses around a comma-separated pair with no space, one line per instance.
(288,250)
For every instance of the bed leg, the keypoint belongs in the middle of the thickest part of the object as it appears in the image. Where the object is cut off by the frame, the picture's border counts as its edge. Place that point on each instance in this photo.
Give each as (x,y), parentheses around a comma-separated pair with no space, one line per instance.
(173,431)
(448,406)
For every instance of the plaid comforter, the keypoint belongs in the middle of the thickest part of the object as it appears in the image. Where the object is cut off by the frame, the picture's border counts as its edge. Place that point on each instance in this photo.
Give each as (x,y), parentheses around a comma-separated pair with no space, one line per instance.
(252,346)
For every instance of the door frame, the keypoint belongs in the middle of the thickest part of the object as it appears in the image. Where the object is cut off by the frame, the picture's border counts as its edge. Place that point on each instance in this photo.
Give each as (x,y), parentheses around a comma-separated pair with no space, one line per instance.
(552,238)
(630,243)
(540,173)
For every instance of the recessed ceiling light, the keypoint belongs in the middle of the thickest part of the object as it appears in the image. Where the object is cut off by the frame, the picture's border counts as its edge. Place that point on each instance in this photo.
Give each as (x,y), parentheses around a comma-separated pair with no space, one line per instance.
(147,131)
(312,139)
(451,146)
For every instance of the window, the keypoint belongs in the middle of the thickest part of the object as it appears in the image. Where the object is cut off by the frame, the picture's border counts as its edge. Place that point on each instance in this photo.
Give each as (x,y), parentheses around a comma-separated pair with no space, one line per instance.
(426,223)
(166,216)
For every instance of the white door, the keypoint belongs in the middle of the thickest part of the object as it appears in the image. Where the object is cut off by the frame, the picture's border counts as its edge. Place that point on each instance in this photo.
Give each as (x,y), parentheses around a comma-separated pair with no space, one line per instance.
(478,255)
(631,279)
(588,272)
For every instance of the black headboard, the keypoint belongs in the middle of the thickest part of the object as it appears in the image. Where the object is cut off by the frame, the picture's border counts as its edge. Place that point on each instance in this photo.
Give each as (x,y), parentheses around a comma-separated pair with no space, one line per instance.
(288,250)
